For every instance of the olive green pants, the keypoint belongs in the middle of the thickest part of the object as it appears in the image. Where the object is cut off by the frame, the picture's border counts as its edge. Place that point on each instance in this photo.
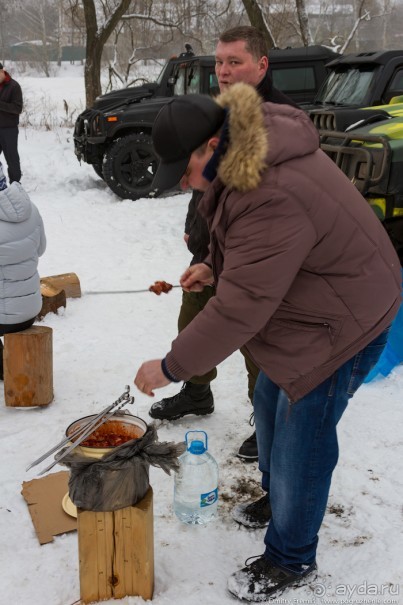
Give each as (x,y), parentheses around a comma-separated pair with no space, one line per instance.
(192,304)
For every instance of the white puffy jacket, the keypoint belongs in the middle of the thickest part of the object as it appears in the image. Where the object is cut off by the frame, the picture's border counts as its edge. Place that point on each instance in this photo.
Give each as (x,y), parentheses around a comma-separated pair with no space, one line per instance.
(22,241)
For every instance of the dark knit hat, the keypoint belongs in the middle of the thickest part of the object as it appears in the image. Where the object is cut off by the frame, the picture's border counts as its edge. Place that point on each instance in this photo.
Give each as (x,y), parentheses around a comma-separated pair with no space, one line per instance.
(181,126)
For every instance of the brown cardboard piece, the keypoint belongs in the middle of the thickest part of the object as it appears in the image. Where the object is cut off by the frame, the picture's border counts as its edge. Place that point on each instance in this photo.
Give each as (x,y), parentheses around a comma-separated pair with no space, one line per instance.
(44,498)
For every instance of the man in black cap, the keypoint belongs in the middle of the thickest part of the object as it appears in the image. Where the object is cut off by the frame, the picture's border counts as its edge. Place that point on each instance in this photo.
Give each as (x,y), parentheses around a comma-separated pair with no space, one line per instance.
(10,109)
(306,278)
(241,56)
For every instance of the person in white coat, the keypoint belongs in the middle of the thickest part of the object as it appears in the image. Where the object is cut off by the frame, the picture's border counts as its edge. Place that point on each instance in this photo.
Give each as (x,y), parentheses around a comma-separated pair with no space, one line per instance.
(22,242)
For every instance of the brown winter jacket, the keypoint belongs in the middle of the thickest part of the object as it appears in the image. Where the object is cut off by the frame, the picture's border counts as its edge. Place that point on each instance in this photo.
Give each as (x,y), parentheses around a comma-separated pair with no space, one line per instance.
(306,275)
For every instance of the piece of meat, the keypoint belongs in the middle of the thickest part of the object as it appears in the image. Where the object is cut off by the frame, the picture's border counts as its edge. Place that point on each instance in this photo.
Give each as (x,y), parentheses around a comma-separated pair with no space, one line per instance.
(160,286)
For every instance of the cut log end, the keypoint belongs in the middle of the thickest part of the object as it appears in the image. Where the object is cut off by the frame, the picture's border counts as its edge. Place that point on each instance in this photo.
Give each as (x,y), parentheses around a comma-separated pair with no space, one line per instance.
(52,299)
(68,282)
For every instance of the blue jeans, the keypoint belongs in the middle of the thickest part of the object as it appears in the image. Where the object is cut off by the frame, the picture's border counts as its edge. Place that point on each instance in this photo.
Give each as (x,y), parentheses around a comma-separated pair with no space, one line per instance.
(298,451)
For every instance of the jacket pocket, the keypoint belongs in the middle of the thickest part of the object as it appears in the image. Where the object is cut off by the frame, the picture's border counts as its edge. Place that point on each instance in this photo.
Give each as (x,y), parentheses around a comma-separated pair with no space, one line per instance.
(302,342)
(331,326)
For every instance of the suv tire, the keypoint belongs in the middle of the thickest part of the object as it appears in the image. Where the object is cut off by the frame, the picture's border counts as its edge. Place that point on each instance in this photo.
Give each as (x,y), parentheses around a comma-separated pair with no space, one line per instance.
(98,170)
(129,166)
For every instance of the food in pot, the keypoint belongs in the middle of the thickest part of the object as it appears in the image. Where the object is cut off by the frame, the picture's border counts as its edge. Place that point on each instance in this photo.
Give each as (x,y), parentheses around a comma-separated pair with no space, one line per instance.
(160,286)
(112,434)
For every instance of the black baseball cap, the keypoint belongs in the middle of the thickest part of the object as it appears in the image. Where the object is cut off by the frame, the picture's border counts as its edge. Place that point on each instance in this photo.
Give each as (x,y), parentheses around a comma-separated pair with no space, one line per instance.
(181,126)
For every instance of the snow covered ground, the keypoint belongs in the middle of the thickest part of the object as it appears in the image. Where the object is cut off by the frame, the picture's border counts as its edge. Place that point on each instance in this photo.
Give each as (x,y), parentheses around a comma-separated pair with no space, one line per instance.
(100,341)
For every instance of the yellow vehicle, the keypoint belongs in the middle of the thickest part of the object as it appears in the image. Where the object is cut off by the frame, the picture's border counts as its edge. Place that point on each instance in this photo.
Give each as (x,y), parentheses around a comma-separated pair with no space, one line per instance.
(367,145)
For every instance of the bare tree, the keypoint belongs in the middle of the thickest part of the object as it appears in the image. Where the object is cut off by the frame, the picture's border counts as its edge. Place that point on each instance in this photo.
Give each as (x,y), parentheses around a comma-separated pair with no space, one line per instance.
(364,11)
(365,15)
(103,18)
(36,22)
(149,35)
(97,36)
(303,22)
(3,20)
(257,19)
(293,22)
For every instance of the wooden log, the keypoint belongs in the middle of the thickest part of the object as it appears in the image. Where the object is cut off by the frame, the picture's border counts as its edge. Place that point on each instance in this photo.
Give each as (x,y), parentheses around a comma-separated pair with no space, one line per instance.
(116,552)
(68,282)
(28,367)
(52,299)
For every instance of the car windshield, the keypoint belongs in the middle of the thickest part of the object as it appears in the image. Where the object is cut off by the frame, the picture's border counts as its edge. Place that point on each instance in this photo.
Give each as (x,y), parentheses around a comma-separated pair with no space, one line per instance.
(348,87)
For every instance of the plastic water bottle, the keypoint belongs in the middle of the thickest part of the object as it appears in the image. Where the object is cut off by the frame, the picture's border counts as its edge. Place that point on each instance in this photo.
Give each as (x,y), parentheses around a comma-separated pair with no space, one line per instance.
(196,482)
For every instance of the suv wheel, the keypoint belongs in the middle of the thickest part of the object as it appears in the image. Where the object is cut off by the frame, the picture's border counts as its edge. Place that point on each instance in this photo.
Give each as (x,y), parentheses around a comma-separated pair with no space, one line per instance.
(129,166)
(98,170)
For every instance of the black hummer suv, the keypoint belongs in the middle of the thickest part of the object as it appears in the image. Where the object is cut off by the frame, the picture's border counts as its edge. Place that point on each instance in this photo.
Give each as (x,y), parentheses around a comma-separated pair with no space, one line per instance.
(362,80)
(115,134)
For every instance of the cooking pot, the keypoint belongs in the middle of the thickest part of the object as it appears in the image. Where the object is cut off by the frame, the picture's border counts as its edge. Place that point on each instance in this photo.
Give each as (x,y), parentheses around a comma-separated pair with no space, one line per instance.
(114,432)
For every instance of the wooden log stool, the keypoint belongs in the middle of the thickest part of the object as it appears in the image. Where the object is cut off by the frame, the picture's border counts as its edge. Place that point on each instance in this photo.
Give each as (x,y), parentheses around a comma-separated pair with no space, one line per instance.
(116,552)
(28,367)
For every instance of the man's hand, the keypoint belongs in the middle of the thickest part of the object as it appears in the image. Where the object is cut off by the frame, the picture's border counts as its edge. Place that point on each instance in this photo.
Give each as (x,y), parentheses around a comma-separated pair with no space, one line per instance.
(196,277)
(150,376)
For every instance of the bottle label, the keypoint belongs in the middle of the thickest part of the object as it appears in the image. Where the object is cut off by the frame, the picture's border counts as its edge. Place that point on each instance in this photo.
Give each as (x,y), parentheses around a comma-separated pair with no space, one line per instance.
(209,498)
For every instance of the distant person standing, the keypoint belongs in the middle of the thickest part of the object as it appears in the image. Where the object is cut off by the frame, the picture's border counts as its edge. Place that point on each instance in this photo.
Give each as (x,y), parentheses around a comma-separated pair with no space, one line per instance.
(10,109)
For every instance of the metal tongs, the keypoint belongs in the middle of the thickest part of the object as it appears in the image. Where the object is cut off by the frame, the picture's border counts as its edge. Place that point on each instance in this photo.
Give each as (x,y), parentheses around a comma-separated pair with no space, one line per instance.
(85,430)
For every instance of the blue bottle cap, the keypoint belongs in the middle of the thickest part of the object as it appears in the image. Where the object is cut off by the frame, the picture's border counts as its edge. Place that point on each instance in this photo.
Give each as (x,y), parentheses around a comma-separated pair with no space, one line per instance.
(197,447)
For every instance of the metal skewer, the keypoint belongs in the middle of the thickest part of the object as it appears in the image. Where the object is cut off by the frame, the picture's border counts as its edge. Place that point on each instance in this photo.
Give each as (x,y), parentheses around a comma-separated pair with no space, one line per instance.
(63,442)
(123,291)
(84,430)
(84,435)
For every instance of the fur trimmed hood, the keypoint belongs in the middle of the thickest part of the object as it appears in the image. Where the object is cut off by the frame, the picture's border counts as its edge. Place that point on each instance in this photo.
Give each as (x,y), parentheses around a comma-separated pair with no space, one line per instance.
(261,135)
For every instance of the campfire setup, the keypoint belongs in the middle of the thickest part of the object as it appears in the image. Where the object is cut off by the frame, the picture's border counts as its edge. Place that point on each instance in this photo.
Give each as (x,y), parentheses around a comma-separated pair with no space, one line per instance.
(108,456)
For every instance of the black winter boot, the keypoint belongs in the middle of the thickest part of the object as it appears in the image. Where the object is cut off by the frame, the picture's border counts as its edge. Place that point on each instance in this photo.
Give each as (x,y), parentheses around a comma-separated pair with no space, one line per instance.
(191,399)
(255,514)
(248,450)
(262,581)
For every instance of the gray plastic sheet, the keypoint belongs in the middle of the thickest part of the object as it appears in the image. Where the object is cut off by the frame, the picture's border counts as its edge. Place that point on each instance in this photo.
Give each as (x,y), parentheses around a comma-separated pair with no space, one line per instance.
(120,478)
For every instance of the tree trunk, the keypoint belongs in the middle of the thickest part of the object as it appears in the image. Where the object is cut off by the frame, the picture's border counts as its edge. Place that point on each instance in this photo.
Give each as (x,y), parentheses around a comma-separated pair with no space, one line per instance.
(92,73)
(59,34)
(257,19)
(303,22)
(92,69)
(96,40)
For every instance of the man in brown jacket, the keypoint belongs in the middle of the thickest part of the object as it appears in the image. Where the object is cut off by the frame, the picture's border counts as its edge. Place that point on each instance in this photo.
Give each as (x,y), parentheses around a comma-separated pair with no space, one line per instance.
(241,56)
(306,279)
